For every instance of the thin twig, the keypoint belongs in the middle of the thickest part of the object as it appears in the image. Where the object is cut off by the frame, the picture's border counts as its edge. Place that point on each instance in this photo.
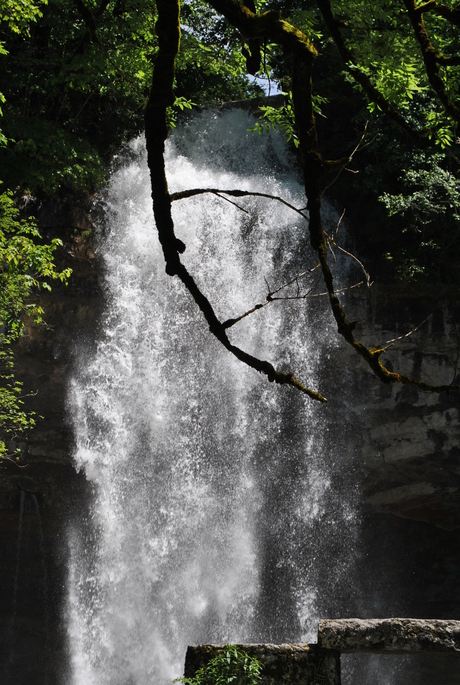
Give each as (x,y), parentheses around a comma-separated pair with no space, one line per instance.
(349,159)
(390,343)
(351,255)
(338,224)
(309,294)
(232,203)
(13,461)
(296,278)
(231,322)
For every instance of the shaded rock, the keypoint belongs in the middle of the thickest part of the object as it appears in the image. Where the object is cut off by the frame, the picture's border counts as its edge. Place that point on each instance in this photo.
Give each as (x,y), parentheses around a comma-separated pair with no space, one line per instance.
(421,502)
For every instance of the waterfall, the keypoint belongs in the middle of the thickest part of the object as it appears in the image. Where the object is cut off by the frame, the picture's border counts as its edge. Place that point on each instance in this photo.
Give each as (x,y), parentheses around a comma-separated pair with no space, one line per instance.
(220,510)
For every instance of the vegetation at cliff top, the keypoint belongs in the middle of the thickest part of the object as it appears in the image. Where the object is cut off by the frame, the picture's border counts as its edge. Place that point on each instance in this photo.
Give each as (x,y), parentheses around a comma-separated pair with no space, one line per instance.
(75,77)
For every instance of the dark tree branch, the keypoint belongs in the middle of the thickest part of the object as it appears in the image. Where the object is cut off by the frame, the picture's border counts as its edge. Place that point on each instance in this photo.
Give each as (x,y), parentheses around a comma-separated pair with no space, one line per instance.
(252,55)
(451,14)
(88,18)
(183,194)
(101,9)
(357,147)
(303,108)
(447,61)
(161,97)
(268,25)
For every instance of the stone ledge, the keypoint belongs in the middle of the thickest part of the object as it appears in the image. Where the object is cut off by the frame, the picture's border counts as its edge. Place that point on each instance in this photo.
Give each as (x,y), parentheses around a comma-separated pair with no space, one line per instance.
(391,635)
(283,664)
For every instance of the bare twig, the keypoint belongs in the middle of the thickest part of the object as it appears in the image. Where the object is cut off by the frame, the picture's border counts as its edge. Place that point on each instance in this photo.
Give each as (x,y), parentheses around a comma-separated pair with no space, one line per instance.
(361,140)
(331,240)
(13,461)
(339,224)
(232,203)
(390,343)
(294,280)
(305,296)
(310,295)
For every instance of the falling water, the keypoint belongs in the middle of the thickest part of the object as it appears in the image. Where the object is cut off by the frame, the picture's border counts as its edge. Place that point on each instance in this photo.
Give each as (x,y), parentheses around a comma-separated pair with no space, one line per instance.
(219,511)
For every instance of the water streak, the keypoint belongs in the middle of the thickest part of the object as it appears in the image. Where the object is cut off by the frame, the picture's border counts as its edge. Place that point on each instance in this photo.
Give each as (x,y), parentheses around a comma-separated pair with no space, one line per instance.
(12,637)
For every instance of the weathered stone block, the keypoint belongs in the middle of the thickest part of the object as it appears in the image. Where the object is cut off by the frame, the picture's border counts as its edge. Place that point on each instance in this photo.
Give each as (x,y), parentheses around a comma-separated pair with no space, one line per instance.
(284,664)
(396,635)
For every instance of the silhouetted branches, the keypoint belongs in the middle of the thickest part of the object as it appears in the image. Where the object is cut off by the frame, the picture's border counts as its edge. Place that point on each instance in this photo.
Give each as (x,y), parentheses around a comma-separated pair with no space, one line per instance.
(266,26)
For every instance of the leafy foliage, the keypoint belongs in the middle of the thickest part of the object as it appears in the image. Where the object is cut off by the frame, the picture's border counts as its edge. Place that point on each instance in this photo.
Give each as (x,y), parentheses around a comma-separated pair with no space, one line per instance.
(75,88)
(15,17)
(281,118)
(232,666)
(26,266)
(379,44)
(18,15)
(429,213)
(76,85)
(210,67)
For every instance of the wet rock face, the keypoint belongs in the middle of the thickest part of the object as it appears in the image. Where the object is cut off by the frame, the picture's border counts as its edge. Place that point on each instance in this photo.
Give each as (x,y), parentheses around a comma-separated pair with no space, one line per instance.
(405,448)
(395,635)
(410,440)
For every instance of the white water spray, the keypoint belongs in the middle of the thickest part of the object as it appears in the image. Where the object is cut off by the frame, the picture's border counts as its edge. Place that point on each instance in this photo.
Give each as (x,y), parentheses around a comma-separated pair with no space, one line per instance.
(215,514)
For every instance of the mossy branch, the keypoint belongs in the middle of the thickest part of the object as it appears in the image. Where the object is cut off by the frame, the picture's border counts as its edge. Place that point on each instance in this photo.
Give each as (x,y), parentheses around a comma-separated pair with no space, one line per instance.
(311,159)
(267,25)
(451,14)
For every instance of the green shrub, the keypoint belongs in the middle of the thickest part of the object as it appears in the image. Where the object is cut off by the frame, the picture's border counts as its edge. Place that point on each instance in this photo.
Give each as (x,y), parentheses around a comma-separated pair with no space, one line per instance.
(231,666)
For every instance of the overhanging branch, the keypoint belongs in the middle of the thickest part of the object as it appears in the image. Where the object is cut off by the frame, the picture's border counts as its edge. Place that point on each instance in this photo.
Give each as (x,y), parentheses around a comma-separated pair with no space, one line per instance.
(183,194)
(162,96)
(451,14)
